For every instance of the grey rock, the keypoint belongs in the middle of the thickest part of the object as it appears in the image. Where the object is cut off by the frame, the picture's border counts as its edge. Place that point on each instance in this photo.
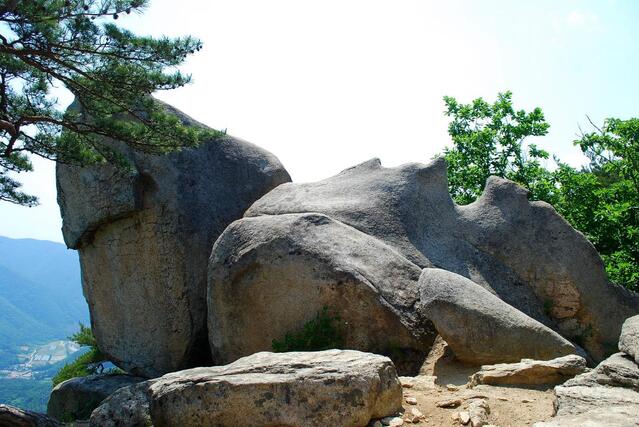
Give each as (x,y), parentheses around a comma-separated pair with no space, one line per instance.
(530,372)
(629,338)
(479,327)
(144,236)
(76,398)
(478,410)
(269,275)
(335,387)
(608,395)
(574,400)
(619,370)
(10,416)
(522,251)
(610,416)
(128,406)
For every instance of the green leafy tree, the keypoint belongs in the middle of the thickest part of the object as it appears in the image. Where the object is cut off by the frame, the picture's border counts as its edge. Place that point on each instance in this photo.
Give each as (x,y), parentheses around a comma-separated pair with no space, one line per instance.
(489,140)
(602,199)
(75,44)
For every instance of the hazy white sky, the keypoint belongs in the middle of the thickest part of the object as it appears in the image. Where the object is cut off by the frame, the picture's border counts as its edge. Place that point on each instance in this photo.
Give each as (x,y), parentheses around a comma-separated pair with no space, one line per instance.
(328,84)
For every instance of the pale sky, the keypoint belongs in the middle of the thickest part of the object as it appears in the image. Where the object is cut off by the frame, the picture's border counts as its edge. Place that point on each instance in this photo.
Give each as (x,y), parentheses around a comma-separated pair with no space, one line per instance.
(327,84)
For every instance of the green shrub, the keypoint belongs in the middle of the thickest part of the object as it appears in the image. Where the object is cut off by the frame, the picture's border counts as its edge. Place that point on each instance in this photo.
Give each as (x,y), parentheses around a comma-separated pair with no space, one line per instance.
(81,367)
(87,364)
(321,333)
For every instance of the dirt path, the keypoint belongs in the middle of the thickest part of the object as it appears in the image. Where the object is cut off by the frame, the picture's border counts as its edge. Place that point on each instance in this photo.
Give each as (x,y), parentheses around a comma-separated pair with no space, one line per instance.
(444,379)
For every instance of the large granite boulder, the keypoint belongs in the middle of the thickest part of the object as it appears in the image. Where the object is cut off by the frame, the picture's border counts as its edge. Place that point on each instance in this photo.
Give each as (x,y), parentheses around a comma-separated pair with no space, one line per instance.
(530,372)
(76,398)
(269,275)
(345,388)
(522,251)
(479,327)
(10,416)
(629,338)
(144,235)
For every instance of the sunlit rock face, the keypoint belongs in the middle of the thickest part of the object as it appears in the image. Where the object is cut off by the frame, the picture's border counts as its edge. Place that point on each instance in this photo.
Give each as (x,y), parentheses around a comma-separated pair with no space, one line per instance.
(523,252)
(144,235)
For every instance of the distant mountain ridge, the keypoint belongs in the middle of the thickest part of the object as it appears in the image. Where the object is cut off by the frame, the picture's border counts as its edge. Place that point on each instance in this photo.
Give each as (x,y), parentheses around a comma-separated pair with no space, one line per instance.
(40,293)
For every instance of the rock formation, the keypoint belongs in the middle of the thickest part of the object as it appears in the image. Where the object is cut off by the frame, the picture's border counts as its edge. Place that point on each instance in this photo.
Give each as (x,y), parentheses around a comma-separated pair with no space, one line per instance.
(530,372)
(522,252)
(481,328)
(629,338)
(11,416)
(335,387)
(608,395)
(76,398)
(144,236)
(270,274)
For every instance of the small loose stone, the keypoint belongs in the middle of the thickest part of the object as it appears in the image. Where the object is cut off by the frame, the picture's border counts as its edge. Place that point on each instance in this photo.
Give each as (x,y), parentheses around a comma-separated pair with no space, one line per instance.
(449,403)
(411,401)
(464,417)
(451,387)
(416,412)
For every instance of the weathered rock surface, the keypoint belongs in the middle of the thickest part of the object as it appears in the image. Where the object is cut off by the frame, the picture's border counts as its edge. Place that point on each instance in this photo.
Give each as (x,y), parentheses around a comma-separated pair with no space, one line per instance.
(269,275)
(629,338)
(144,237)
(76,398)
(608,395)
(11,416)
(522,251)
(530,372)
(481,328)
(611,416)
(335,387)
(577,400)
(619,370)
(478,410)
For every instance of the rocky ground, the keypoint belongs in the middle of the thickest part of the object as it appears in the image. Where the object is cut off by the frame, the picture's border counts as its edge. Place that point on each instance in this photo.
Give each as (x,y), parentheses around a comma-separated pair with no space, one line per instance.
(442,394)
(442,404)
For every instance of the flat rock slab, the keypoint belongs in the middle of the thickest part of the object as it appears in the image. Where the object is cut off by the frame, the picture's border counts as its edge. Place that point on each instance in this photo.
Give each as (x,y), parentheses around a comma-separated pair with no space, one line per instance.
(479,327)
(76,398)
(531,372)
(629,338)
(611,416)
(619,370)
(606,396)
(580,399)
(333,387)
(10,416)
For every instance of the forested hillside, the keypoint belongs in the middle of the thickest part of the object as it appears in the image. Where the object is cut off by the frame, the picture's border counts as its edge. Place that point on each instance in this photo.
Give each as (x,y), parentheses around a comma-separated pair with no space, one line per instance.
(40,294)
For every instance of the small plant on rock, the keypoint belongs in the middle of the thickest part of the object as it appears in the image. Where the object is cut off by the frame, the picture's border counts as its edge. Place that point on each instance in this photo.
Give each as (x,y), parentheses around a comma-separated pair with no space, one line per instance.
(87,364)
(321,333)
